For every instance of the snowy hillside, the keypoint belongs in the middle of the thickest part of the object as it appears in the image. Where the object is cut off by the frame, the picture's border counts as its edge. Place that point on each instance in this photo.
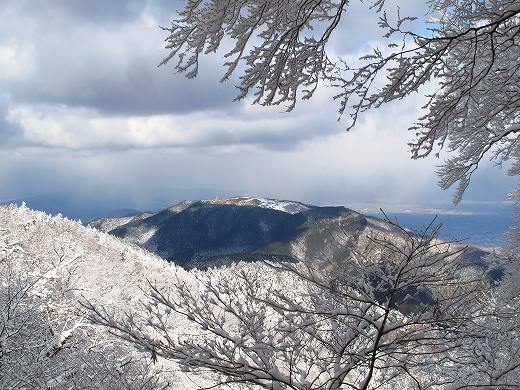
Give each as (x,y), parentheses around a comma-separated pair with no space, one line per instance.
(53,262)
(56,262)
(53,268)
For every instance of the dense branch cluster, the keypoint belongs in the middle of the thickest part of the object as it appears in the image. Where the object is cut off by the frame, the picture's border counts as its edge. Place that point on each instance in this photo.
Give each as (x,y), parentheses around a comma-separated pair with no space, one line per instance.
(469,55)
(477,107)
(285,54)
(46,341)
(398,313)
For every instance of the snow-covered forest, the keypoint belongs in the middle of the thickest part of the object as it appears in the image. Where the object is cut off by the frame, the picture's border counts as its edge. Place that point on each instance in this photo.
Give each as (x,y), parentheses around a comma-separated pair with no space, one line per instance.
(82,309)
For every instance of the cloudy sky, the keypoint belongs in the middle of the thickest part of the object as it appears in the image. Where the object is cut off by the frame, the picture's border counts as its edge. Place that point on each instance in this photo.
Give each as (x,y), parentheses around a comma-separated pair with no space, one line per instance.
(85,112)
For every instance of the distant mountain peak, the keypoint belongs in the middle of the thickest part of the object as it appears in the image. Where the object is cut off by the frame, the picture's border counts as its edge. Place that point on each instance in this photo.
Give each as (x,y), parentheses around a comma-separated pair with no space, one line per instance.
(221,231)
(197,230)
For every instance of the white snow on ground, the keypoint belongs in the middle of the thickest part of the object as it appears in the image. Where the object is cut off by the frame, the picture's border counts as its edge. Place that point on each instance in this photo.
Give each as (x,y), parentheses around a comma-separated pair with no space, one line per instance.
(108,224)
(266,203)
(144,237)
(282,205)
(141,234)
(107,271)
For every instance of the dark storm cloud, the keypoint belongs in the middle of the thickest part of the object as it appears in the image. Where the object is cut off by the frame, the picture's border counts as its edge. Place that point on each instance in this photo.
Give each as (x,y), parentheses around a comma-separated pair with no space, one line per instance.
(137,88)
(104,55)
(95,11)
(10,130)
(90,82)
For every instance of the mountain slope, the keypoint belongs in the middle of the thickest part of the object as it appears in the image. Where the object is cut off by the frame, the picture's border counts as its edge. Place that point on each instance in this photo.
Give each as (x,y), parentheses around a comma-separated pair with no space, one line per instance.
(217,232)
(201,231)
(56,262)
(64,262)
(47,265)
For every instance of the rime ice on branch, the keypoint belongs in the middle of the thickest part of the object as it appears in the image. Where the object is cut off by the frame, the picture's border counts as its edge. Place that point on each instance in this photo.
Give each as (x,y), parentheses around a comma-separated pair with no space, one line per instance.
(469,52)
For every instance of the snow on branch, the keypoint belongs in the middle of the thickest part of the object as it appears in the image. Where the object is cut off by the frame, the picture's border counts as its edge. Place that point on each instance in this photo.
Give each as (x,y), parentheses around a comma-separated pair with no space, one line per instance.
(469,52)
(398,312)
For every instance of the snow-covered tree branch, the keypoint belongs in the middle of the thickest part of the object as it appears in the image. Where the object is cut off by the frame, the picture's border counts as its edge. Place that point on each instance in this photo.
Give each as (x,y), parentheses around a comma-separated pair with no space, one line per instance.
(469,54)
(46,341)
(399,312)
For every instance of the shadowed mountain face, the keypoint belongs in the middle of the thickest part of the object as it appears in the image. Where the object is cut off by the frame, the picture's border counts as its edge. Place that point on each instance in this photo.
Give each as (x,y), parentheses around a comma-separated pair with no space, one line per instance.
(217,232)
(205,232)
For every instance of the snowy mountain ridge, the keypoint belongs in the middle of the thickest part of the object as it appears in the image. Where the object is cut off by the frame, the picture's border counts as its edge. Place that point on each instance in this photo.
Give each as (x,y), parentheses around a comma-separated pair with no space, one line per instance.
(209,232)
(195,231)
(60,263)
(286,206)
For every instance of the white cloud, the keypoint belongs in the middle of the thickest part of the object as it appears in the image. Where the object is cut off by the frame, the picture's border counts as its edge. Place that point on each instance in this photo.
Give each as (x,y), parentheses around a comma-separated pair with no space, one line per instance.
(81,128)
(16,61)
